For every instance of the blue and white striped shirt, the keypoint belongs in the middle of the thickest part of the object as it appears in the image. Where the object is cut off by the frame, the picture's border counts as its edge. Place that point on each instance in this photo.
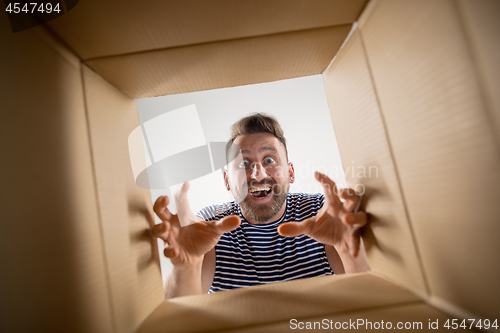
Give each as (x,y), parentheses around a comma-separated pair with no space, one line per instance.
(255,254)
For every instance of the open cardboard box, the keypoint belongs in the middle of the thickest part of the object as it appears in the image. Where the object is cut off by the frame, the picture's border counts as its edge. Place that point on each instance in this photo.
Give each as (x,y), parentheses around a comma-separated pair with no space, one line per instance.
(414,90)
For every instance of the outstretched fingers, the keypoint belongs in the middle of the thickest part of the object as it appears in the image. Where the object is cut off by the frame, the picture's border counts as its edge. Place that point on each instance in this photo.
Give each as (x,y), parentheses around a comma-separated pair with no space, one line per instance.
(160,208)
(170,251)
(351,199)
(185,215)
(330,189)
(355,220)
(227,224)
(171,247)
(161,230)
(164,232)
(293,229)
(182,203)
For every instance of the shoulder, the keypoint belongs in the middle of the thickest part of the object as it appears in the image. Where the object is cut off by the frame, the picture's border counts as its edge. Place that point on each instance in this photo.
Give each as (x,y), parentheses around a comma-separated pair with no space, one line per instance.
(216,212)
(303,205)
(306,199)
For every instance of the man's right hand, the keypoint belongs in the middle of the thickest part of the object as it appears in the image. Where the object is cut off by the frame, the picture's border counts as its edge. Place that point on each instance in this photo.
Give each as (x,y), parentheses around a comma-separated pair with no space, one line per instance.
(187,245)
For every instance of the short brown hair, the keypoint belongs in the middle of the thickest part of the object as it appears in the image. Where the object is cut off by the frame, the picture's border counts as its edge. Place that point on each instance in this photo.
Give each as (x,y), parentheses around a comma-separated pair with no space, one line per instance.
(253,124)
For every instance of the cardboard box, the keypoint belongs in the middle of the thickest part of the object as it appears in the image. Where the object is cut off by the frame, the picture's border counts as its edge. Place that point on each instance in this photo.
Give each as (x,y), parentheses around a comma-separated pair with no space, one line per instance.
(414,90)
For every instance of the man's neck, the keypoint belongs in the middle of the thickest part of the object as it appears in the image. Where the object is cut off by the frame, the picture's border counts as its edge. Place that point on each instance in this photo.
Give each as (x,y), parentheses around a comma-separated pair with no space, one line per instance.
(272,219)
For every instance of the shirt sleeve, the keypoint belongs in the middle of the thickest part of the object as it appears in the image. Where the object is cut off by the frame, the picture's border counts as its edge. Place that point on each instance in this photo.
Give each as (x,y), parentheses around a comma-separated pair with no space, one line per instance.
(205,214)
(216,212)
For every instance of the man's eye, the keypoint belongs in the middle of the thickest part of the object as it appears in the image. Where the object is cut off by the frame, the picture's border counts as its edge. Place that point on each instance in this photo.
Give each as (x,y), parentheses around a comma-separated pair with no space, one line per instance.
(244,164)
(269,160)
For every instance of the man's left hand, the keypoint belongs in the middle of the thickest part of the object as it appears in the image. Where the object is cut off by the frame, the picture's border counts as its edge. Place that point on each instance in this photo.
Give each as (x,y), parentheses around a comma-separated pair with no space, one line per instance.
(336,223)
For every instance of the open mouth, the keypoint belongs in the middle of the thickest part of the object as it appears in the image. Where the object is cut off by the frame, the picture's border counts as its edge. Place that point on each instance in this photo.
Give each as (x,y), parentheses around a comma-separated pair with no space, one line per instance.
(260,192)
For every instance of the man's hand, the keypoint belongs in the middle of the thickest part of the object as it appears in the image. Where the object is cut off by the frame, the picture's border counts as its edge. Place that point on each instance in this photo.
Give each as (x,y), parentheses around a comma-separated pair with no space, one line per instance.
(188,245)
(336,223)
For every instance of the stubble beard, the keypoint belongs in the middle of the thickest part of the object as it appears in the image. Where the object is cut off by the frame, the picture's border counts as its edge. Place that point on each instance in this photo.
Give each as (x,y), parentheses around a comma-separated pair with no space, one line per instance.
(263,212)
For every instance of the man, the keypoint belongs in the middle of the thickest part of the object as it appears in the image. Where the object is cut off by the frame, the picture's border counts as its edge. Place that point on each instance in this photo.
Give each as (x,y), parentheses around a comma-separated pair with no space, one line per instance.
(266,234)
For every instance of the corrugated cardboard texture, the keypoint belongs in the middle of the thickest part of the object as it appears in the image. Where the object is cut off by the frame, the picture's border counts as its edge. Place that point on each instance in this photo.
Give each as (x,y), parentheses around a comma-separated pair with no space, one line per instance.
(76,251)
(367,160)
(276,303)
(367,12)
(125,209)
(223,64)
(443,145)
(52,272)
(415,316)
(105,28)
(481,20)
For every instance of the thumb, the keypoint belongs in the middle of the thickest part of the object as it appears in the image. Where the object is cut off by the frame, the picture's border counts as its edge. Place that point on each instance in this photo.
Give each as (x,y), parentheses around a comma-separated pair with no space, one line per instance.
(293,229)
(227,224)
(181,201)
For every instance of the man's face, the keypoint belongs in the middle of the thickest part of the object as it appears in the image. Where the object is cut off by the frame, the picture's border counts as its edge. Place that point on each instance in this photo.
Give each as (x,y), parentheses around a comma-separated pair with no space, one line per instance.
(259,176)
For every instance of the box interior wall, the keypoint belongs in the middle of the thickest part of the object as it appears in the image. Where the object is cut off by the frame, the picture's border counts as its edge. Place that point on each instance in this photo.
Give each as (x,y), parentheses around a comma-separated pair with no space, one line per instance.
(413,90)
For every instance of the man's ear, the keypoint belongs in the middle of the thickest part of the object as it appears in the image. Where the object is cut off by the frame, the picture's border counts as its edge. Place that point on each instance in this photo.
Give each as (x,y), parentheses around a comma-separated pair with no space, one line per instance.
(226,182)
(291,172)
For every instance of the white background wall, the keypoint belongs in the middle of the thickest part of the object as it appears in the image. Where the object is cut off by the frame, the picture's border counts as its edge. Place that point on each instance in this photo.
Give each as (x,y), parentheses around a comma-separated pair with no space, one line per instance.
(299,105)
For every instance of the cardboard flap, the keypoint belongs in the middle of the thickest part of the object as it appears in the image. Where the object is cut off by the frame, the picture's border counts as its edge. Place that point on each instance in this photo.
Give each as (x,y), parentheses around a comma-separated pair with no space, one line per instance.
(52,268)
(443,144)
(482,29)
(135,285)
(223,64)
(275,302)
(96,29)
(369,166)
(407,317)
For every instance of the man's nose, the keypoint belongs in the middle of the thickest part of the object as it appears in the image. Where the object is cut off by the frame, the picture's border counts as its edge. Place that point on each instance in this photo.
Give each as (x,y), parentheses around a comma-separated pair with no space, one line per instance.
(258,172)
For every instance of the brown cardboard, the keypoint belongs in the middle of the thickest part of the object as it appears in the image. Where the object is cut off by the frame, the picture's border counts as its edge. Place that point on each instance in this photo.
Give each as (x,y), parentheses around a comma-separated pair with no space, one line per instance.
(223,64)
(131,253)
(52,272)
(482,27)
(367,12)
(413,314)
(421,78)
(443,145)
(368,161)
(124,27)
(276,302)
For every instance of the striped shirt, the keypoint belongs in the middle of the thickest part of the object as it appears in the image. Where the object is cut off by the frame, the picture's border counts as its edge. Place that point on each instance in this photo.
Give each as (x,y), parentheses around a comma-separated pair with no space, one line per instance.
(255,254)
